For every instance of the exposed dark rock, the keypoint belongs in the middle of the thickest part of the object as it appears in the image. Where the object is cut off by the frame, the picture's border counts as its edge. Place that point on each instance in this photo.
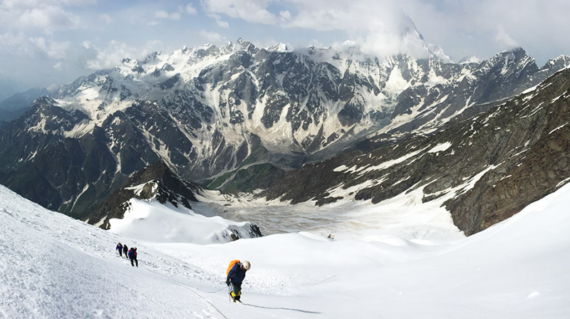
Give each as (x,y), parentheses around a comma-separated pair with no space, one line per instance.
(155,181)
(167,67)
(521,148)
(171,82)
(273,109)
(351,113)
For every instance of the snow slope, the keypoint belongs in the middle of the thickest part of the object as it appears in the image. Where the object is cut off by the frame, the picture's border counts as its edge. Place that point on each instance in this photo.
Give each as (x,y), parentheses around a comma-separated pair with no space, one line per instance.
(54,267)
(155,222)
(405,216)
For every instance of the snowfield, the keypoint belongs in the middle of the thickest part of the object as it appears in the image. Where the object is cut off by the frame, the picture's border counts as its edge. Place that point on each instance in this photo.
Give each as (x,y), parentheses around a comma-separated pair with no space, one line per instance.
(52,266)
(158,223)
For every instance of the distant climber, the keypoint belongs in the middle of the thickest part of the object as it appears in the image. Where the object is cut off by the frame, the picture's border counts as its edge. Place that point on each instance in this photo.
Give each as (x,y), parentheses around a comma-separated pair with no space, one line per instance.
(133,256)
(120,249)
(235,276)
(126,250)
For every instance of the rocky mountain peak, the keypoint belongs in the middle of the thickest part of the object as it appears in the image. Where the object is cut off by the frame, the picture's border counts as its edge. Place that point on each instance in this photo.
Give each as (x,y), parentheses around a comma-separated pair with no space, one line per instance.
(159,172)
(46,116)
(470,59)
(155,181)
(279,47)
(514,56)
(560,62)
(207,112)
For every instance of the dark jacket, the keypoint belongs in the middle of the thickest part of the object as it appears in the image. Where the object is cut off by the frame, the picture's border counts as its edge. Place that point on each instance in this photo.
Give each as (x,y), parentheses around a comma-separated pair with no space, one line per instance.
(132,254)
(119,247)
(236,275)
(125,249)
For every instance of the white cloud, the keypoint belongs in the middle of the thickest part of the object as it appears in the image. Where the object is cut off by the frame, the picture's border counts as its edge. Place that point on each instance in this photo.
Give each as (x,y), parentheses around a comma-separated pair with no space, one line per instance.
(34,3)
(46,17)
(379,27)
(484,27)
(212,37)
(480,27)
(115,52)
(18,45)
(165,15)
(504,39)
(190,9)
(106,18)
(249,10)
(285,15)
(53,49)
(222,24)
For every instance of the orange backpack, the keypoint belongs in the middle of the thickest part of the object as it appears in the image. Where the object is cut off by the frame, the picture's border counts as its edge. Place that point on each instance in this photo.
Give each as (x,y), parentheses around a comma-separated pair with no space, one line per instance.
(232,263)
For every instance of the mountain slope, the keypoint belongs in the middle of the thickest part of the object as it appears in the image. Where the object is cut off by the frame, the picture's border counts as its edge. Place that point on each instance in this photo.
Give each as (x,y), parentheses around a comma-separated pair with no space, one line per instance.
(489,167)
(65,268)
(16,105)
(209,111)
(153,182)
(155,200)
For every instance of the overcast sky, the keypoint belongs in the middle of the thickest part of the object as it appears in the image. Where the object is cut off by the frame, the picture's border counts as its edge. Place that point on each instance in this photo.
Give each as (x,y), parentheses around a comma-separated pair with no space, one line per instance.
(45,42)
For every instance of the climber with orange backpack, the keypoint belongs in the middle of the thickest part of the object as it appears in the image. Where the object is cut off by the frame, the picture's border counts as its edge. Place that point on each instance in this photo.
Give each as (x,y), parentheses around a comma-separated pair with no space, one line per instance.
(235,276)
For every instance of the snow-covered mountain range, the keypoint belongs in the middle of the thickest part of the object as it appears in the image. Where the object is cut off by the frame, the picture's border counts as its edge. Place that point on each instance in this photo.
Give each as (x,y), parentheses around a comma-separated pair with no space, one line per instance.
(207,112)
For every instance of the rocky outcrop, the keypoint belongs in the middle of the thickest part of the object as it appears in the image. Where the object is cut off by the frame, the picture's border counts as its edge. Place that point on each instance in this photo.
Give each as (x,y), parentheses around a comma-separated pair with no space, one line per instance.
(157,182)
(493,165)
(153,182)
(61,173)
(531,151)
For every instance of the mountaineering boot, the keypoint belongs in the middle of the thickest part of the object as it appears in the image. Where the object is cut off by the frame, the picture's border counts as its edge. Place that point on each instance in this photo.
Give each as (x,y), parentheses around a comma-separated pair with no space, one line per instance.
(232,297)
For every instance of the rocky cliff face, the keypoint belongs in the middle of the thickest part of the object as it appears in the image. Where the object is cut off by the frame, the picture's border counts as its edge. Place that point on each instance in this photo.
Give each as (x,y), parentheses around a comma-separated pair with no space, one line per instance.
(490,167)
(209,111)
(157,182)
(153,182)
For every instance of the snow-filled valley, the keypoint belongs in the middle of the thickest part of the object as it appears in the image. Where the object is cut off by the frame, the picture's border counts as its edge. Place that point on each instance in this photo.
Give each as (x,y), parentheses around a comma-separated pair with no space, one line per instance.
(52,266)
(155,222)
